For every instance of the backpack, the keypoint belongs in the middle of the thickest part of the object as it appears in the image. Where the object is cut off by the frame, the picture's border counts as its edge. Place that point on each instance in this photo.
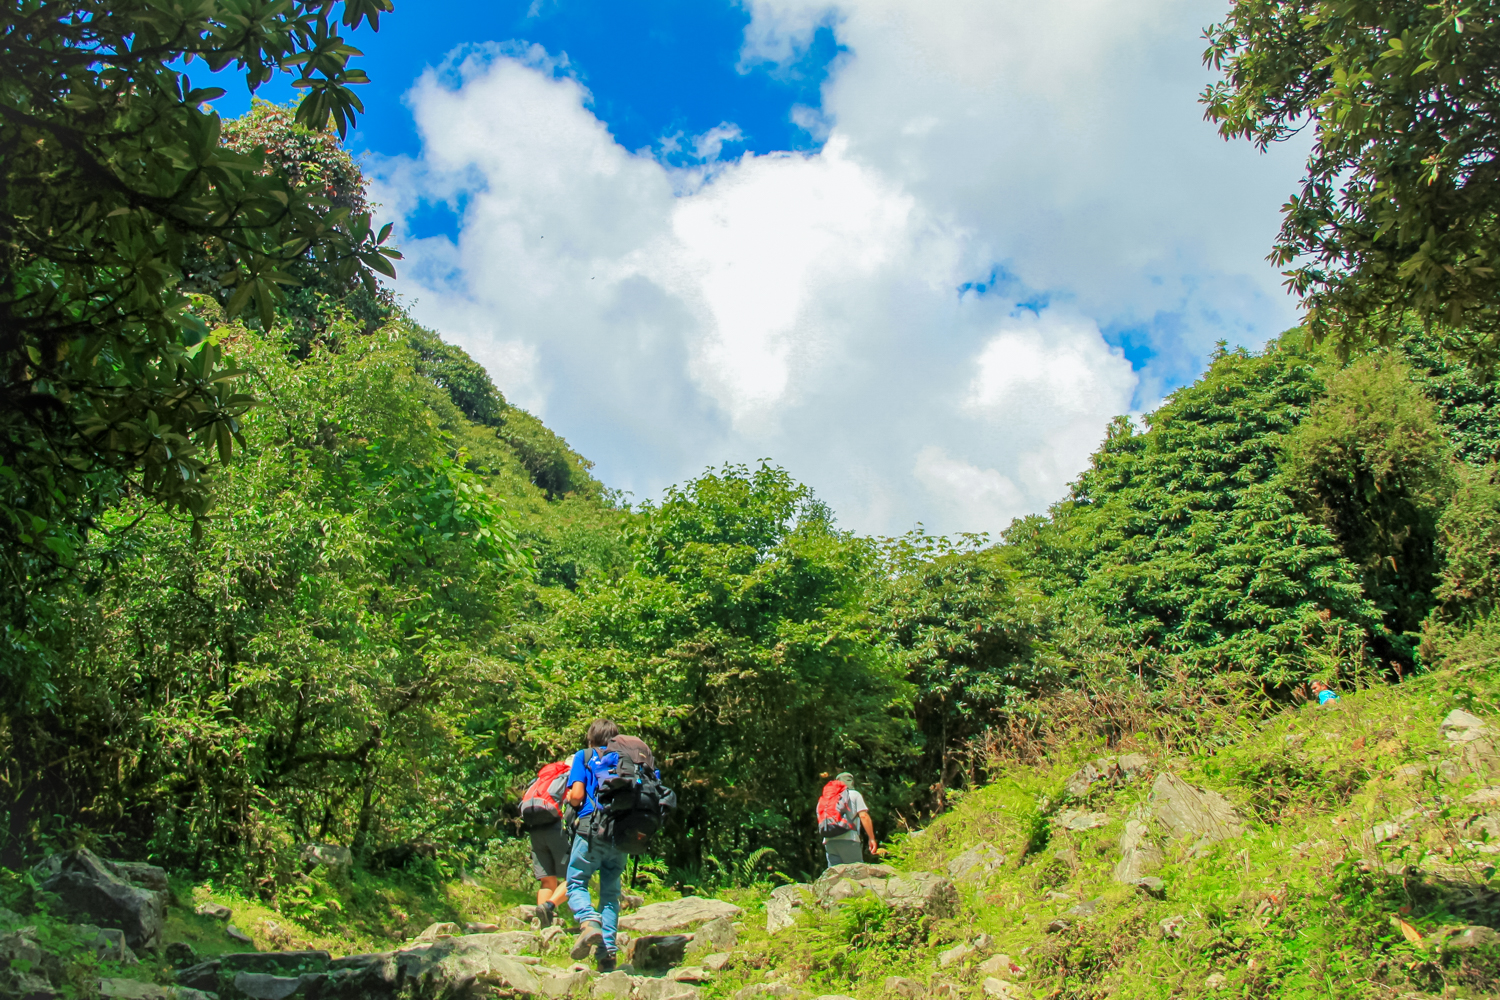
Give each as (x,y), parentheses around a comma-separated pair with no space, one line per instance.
(542,803)
(630,802)
(833,810)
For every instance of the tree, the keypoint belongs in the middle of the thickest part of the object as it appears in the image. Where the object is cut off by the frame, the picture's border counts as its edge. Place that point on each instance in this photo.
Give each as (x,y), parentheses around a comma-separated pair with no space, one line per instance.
(1397,216)
(112,178)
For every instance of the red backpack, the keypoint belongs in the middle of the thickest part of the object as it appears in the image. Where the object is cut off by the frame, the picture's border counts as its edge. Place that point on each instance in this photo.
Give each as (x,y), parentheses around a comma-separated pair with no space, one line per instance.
(542,803)
(833,810)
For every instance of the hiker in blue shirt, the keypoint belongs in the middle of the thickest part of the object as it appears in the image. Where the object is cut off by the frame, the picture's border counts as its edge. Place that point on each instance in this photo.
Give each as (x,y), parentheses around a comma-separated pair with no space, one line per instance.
(597,932)
(1325,694)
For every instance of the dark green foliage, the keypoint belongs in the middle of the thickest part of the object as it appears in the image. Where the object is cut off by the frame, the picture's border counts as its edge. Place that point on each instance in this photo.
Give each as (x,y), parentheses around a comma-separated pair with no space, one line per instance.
(555,468)
(1185,540)
(113,179)
(1372,464)
(297,669)
(467,383)
(1396,217)
(972,634)
(1470,539)
(739,647)
(1467,398)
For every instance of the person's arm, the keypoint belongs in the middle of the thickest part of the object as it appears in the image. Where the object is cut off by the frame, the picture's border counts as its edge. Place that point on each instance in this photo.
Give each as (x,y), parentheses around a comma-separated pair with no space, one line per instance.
(864,818)
(575,795)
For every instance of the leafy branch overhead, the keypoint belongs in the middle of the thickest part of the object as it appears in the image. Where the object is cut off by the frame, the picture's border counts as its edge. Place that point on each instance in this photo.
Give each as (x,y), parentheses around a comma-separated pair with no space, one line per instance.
(114,182)
(1396,219)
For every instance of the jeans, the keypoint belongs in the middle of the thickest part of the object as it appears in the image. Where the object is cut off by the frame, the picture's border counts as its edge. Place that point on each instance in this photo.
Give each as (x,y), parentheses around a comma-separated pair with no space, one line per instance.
(843,852)
(609,862)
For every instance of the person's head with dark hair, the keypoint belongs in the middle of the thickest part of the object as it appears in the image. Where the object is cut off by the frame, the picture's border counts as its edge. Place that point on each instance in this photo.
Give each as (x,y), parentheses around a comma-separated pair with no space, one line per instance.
(601,731)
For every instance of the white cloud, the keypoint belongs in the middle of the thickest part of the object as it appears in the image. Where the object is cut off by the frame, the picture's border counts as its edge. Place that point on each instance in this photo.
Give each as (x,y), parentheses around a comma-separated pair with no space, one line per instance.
(807,307)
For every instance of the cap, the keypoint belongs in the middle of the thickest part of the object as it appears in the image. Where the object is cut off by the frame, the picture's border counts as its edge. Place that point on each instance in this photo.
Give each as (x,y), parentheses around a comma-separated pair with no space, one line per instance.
(845,777)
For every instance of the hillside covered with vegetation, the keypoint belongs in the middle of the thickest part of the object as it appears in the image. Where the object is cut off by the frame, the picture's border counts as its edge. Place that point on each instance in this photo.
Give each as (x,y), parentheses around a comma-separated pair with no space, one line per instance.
(284,567)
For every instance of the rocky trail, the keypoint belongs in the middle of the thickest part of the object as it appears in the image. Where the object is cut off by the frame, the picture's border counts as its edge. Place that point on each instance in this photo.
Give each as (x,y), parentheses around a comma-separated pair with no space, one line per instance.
(1253,870)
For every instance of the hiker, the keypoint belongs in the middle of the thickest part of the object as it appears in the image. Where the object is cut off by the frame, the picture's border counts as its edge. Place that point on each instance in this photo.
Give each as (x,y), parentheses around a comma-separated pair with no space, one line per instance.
(841,811)
(542,813)
(617,791)
(1326,695)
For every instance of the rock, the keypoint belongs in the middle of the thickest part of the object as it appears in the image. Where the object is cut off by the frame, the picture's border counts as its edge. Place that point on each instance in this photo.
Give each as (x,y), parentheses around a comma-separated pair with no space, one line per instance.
(87,887)
(933,895)
(1484,797)
(1087,908)
(1186,811)
(107,944)
(550,936)
(903,987)
(141,874)
(216,911)
(1138,855)
(1172,926)
(1107,771)
(946,991)
(434,931)
(977,863)
(284,963)
(1461,727)
(1152,886)
(134,989)
(859,871)
(657,951)
(834,996)
(999,966)
(647,988)
(203,976)
(983,944)
(785,903)
(180,954)
(263,986)
(564,984)
(328,855)
(630,901)
(525,912)
(1215,981)
(1053,896)
(717,961)
(659,918)
(1068,856)
(1470,938)
(716,935)
(236,934)
(830,894)
(999,989)
(518,942)
(956,955)
(1058,926)
(766,991)
(690,974)
(614,985)
(1079,820)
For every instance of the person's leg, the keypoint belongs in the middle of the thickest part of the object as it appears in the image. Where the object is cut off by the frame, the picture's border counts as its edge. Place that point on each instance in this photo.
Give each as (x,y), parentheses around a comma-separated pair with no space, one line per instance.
(611,867)
(581,868)
(547,891)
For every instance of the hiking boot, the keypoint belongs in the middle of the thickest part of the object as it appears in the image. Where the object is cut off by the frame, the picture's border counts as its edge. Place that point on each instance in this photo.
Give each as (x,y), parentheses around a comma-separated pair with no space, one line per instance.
(590,936)
(545,913)
(604,960)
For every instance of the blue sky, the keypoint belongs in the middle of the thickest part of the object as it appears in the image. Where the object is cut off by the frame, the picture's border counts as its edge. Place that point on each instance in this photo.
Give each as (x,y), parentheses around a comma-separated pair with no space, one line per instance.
(919,253)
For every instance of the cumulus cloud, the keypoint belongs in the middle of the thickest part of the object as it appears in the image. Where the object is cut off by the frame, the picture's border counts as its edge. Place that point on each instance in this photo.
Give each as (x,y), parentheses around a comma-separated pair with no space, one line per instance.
(853,313)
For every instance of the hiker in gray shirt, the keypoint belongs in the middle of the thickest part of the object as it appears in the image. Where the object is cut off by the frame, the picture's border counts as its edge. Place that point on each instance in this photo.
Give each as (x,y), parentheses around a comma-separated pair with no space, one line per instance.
(841,812)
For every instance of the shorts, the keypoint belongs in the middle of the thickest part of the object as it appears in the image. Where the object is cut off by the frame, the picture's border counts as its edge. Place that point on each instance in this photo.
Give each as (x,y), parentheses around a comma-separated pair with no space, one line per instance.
(843,852)
(549,851)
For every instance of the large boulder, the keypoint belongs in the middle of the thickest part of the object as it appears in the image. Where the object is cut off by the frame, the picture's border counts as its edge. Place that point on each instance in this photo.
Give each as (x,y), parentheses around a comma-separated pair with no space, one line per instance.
(924,892)
(327,855)
(716,935)
(657,951)
(1106,772)
(88,887)
(785,903)
(977,863)
(1185,811)
(676,914)
(1139,857)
